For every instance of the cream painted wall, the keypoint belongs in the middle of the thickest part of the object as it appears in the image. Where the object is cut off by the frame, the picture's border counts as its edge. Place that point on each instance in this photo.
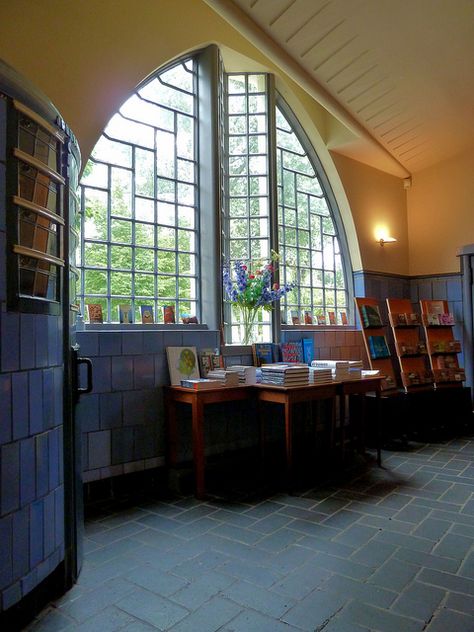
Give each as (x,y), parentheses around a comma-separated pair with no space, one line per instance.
(92,54)
(441,215)
(377,199)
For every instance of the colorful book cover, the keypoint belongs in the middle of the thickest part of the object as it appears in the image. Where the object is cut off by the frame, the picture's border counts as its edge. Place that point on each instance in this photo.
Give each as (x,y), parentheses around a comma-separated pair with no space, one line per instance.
(321,319)
(332,318)
(308,350)
(378,347)
(147,314)
(291,352)
(370,316)
(308,318)
(209,359)
(295,317)
(344,320)
(169,314)
(95,314)
(263,353)
(182,364)
(125,314)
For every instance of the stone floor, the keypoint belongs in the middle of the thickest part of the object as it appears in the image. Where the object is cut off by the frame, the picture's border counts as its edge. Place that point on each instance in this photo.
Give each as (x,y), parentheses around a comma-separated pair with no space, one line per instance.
(388,549)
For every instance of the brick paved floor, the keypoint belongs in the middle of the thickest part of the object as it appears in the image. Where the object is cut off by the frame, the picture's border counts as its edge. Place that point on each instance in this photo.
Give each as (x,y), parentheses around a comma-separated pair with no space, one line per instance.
(388,549)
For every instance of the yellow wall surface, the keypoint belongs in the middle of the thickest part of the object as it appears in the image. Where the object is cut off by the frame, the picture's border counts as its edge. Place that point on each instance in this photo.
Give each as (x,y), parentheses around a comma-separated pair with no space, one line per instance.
(378,204)
(441,215)
(88,56)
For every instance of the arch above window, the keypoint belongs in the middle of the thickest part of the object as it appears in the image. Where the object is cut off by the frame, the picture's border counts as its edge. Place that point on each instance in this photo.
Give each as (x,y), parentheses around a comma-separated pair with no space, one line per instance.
(200,166)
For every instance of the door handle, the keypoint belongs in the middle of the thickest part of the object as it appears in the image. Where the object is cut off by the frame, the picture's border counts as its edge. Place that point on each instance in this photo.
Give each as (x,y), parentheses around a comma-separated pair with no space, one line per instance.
(89,383)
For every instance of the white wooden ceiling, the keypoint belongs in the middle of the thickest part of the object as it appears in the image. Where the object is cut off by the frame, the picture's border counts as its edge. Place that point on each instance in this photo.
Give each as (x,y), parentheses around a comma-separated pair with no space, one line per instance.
(401,69)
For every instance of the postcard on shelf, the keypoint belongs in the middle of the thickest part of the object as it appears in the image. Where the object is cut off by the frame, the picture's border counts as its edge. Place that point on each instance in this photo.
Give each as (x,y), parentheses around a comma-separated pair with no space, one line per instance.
(378,347)
(125,314)
(94,311)
(209,359)
(147,314)
(308,350)
(446,319)
(291,352)
(263,353)
(182,364)
(344,320)
(169,315)
(399,319)
(370,316)
(295,317)
(321,319)
(308,318)
(189,320)
(431,318)
(332,318)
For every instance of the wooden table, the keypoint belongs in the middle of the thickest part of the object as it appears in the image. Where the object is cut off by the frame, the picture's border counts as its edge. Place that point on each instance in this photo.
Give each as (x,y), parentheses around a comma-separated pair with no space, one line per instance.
(360,387)
(287,396)
(197,399)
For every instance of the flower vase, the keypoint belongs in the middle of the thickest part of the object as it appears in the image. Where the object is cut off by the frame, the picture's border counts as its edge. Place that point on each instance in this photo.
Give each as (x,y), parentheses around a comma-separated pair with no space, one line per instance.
(248,322)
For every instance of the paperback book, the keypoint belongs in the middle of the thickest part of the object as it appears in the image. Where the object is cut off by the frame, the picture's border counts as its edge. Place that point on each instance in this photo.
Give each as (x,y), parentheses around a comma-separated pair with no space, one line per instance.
(378,347)
(125,314)
(169,316)
(370,316)
(291,352)
(94,311)
(264,353)
(147,314)
(308,350)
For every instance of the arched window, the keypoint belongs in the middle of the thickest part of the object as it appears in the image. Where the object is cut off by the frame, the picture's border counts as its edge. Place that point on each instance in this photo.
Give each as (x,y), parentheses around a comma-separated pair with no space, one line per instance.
(152,218)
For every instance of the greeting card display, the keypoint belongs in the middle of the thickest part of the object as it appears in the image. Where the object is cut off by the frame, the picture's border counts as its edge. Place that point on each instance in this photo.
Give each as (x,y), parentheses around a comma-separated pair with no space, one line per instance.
(147,314)
(95,313)
(182,364)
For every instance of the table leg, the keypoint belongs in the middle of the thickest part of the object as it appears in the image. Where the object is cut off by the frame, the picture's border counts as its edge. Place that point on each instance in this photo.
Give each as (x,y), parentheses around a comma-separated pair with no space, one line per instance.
(261,420)
(378,433)
(170,416)
(198,447)
(289,444)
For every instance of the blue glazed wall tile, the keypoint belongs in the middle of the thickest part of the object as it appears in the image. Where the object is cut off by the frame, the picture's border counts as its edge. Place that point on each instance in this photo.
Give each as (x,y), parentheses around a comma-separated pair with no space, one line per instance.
(36,402)
(61,460)
(153,341)
(21,543)
(425,290)
(42,464)
(439,289)
(99,449)
(36,533)
(29,582)
(122,373)
(58,380)
(454,289)
(55,340)
(110,343)
(11,596)
(27,341)
(10,477)
(110,410)
(153,407)
(59,517)
(172,339)
(3,264)
(132,343)
(145,442)
(88,342)
(6,408)
(20,407)
(133,408)
(87,412)
(101,374)
(359,284)
(55,455)
(48,525)
(48,395)
(27,471)
(143,371)
(122,445)
(162,375)
(6,562)
(414,291)
(41,331)
(10,339)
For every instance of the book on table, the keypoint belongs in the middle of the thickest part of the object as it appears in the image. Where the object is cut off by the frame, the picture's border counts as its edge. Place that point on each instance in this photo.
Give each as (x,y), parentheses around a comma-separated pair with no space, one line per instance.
(200,384)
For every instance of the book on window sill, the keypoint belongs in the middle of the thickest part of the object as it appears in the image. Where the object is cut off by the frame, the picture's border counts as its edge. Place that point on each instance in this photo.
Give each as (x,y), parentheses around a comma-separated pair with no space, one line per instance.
(332,318)
(308,317)
(94,311)
(147,314)
(169,317)
(125,314)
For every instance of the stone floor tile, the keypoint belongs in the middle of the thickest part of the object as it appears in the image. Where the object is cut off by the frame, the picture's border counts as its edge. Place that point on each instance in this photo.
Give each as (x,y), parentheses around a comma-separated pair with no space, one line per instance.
(164,584)
(314,610)
(195,594)
(254,573)
(260,599)
(153,609)
(419,601)
(249,620)
(342,519)
(426,559)
(432,529)
(378,619)
(51,620)
(108,620)
(394,575)
(302,581)
(460,603)
(279,540)
(341,566)
(366,593)
(271,523)
(210,617)
(450,620)
(452,545)
(412,513)
(356,535)
(373,555)
(447,581)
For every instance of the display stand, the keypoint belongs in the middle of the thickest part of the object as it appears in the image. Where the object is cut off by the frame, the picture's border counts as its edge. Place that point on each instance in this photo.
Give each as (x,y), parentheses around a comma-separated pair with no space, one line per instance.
(441,344)
(375,341)
(412,352)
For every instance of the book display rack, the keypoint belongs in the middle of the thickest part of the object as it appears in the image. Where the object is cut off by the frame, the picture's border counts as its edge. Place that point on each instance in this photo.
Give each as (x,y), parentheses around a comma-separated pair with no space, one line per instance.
(412,353)
(373,332)
(441,345)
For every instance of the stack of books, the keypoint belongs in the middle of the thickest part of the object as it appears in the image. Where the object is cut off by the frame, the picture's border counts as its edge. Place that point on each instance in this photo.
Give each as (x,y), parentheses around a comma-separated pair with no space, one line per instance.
(319,375)
(199,384)
(339,368)
(247,374)
(355,369)
(224,376)
(285,374)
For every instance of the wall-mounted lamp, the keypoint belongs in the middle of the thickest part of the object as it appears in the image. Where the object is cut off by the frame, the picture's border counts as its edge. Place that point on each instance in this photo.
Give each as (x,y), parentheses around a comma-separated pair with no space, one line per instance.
(386,240)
